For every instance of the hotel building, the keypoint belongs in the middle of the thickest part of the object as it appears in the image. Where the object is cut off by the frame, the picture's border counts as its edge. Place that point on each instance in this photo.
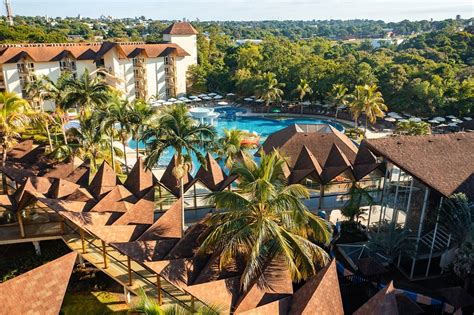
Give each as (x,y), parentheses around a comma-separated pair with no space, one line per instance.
(139,70)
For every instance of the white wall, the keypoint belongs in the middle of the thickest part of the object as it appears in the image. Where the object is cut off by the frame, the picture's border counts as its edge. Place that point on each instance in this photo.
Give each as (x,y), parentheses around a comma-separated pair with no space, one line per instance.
(12,79)
(187,42)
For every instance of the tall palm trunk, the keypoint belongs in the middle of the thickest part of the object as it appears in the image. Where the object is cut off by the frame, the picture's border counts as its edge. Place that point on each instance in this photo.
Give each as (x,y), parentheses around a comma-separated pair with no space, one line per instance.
(366,125)
(125,154)
(4,161)
(49,138)
(181,194)
(136,143)
(112,155)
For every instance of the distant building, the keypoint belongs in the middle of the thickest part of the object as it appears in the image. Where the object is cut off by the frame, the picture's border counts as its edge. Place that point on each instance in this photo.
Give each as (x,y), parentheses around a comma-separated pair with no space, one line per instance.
(240,42)
(139,70)
(378,42)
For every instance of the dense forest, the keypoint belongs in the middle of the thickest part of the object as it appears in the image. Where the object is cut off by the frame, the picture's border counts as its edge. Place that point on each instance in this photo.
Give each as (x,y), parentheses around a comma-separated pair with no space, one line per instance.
(431,72)
(428,74)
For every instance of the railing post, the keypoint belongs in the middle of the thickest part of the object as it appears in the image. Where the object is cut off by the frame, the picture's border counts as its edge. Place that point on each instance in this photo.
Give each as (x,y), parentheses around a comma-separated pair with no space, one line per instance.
(129,263)
(20,223)
(193,303)
(104,254)
(194,197)
(61,225)
(160,196)
(81,231)
(158,288)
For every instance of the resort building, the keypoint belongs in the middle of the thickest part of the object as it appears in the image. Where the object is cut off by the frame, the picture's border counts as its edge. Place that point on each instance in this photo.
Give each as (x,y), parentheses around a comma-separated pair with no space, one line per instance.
(139,70)
(421,172)
(327,162)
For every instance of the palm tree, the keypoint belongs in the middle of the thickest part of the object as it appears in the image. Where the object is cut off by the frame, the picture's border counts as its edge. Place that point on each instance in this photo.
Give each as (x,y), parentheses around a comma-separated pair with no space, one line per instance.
(358,197)
(86,92)
(338,96)
(269,89)
(44,120)
(179,131)
(13,119)
(140,116)
(56,92)
(413,128)
(367,100)
(93,142)
(302,90)
(231,143)
(391,240)
(264,219)
(118,111)
(36,90)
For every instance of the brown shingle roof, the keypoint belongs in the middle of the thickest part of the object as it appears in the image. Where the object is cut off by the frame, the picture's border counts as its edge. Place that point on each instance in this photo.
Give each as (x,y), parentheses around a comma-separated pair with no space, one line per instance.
(167,226)
(104,181)
(336,163)
(189,243)
(142,251)
(365,162)
(117,233)
(384,302)
(319,295)
(317,138)
(224,291)
(140,179)
(213,177)
(180,28)
(305,165)
(171,183)
(119,199)
(142,212)
(443,162)
(81,174)
(62,188)
(20,150)
(39,291)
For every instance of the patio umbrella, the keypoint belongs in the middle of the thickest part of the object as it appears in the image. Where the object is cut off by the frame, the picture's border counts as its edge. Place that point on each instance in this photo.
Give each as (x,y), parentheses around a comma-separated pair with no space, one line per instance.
(260,101)
(440,119)
(182,98)
(451,117)
(187,101)
(172,99)
(403,120)
(160,101)
(442,125)
(393,114)
(193,97)
(197,99)
(248,99)
(457,121)
(212,94)
(390,119)
(433,121)
(453,124)
(467,118)
(222,103)
(218,97)
(306,103)
(230,94)
(415,119)
(207,98)
(168,103)
(202,95)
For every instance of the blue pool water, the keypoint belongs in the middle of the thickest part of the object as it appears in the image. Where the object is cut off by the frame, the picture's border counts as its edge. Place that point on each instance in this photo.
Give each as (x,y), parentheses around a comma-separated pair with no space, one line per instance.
(263,126)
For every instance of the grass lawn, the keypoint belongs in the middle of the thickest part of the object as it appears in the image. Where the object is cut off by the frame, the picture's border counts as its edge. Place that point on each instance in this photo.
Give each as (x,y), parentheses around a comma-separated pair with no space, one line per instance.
(99,302)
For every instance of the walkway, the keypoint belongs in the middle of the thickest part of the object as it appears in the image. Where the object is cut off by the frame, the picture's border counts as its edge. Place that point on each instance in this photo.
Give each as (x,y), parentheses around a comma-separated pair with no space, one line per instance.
(117,269)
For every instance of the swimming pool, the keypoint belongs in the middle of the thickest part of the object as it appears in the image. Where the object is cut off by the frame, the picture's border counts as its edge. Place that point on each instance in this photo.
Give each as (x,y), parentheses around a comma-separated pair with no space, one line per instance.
(264,126)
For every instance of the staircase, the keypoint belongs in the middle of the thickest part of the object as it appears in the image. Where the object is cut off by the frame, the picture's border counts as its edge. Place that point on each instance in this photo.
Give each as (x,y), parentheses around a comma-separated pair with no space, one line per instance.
(441,240)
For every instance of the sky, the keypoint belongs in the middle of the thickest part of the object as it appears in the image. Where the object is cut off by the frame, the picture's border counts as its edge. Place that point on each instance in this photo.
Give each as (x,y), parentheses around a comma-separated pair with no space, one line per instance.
(387,10)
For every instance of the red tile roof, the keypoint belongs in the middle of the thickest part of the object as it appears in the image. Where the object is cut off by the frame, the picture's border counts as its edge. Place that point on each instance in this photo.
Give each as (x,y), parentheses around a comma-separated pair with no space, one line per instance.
(180,28)
(39,291)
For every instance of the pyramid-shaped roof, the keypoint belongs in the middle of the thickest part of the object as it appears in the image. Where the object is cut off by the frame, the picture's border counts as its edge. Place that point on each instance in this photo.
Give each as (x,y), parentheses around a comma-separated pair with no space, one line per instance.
(80,194)
(81,174)
(169,181)
(212,270)
(142,251)
(37,291)
(117,233)
(320,294)
(274,284)
(140,179)
(278,307)
(221,292)
(167,226)
(62,188)
(365,162)
(19,175)
(212,176)
(118,199)
(305,165)
(384,302)
(59,170)
(34,155)
(87,219)
(336,164)
(142,212)
(180,28)
(189,243)
(180,272)
(104,181)
(20,150)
